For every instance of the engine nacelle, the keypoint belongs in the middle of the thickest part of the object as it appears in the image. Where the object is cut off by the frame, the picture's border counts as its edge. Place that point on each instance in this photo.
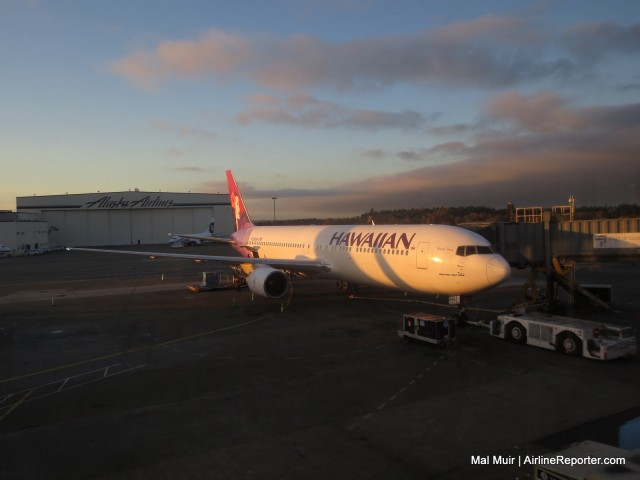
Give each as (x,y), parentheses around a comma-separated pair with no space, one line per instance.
(268,282)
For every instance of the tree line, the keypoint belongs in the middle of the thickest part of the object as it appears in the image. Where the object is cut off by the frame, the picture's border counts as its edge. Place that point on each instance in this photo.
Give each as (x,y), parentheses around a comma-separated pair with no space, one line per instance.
(454,216)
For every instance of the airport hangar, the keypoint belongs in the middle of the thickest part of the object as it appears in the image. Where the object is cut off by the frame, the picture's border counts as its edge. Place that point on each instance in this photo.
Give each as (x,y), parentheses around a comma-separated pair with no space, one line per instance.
(127,218)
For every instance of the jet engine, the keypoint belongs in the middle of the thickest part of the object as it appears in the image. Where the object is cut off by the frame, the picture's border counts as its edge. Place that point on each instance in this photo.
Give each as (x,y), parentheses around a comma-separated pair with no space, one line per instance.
(268,282)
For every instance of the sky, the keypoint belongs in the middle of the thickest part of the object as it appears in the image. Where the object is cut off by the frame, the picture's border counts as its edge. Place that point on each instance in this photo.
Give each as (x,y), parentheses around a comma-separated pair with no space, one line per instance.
(335,107)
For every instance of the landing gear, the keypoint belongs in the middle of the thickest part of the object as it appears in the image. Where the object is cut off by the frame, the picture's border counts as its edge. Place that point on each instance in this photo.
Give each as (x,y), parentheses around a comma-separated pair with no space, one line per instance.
(461,316)
(346,286)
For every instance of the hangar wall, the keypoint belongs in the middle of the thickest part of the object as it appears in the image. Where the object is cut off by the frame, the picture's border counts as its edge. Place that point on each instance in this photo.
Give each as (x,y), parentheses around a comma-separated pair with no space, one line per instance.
(23,233)
(127,218)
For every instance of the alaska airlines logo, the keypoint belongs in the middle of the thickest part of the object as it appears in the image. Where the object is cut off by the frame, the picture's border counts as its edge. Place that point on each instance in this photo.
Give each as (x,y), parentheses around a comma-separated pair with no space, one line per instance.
(373,240)
(146,202)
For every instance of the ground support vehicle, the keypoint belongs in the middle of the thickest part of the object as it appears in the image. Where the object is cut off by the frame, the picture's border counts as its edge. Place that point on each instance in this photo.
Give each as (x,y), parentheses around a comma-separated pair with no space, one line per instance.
(601,341)
(587,460)
(437,329)
(180,242)
(217,280)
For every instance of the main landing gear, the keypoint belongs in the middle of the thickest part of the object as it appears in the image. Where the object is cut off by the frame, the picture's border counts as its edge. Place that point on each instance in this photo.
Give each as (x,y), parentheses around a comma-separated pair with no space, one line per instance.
(347,286)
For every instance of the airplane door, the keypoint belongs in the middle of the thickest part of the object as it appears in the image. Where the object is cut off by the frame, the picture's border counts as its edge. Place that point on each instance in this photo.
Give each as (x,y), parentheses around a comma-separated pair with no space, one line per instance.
(422,259)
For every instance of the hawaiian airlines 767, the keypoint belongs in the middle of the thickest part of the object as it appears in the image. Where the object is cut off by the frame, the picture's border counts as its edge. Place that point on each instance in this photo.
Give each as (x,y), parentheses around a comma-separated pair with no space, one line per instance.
(428,259)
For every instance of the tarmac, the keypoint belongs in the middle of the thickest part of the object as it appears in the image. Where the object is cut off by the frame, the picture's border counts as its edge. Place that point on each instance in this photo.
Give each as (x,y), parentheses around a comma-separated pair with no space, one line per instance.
(110,368)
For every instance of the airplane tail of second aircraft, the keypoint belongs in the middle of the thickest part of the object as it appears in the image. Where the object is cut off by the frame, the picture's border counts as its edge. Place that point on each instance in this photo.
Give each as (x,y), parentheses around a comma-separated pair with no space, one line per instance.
(241,216)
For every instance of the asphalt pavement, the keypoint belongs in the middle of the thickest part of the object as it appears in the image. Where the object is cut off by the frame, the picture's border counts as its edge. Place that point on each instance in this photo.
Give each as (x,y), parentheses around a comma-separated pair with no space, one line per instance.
(110,368)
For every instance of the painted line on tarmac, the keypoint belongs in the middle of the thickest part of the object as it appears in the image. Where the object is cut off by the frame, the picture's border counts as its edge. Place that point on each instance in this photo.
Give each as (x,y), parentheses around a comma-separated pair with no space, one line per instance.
(75,381)
(135,350)
(16,405)
(401,391)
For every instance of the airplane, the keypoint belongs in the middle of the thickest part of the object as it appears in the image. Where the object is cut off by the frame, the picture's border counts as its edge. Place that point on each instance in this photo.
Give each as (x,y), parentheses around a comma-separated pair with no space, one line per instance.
(421,259)
(178,240)
(4,251)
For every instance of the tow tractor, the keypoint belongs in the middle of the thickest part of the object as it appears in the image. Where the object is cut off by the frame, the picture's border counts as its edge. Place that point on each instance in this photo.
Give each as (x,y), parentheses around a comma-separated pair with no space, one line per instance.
(572,336)
(218,280)
(586,460)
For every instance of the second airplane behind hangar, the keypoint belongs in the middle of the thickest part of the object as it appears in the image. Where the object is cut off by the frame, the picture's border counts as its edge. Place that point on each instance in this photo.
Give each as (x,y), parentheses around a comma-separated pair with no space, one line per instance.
(426,259)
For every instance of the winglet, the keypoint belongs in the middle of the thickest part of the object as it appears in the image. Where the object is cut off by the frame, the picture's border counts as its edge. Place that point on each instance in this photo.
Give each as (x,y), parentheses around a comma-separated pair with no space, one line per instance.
(240,213)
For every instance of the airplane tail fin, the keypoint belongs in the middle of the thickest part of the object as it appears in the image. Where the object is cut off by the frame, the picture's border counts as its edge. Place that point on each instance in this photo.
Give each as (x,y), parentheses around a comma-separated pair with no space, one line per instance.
(240,213)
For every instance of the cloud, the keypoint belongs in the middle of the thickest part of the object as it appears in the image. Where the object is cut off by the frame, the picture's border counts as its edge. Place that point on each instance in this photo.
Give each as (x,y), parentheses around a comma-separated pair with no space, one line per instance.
(185,131)
(490,28)
(488,51)
(590,152)
(215,53)
(542,112)
(175,152)
(592,41)
(546,112)
(190,169)
(440,153)
(307,111)
(375,153)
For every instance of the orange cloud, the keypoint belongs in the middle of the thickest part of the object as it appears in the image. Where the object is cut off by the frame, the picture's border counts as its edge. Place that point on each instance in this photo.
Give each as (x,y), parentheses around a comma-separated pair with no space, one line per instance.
(505,51)
(542,112)
(488,51)
(216,53)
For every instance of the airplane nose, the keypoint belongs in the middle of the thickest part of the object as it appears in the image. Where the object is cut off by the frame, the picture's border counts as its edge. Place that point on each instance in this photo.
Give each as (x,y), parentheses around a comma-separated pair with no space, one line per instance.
(498,270)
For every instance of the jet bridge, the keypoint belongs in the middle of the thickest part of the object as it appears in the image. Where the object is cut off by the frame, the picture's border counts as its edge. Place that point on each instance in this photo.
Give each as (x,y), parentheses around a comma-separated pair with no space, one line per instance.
(535,244)
(549,246)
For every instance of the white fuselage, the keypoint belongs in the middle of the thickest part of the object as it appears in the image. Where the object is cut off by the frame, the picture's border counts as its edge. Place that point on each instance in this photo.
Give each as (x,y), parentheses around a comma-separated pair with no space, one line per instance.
(435,259)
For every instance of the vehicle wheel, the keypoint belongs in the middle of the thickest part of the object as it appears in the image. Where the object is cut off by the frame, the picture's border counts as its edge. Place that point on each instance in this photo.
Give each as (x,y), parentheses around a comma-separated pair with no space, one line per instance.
(570,344)
(517,333)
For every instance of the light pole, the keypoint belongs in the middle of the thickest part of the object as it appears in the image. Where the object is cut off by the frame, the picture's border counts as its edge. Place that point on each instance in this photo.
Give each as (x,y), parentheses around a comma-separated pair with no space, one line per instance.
(274,208)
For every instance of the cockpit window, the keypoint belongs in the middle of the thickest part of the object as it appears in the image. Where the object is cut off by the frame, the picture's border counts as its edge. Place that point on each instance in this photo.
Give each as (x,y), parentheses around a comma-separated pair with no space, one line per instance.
(466,250)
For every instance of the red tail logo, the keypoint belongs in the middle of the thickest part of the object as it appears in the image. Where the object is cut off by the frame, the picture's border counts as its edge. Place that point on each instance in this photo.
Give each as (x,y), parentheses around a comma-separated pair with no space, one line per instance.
(239,210)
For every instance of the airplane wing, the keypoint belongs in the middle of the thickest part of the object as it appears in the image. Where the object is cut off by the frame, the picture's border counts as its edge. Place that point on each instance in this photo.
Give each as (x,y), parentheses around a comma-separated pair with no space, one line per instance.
(296,265)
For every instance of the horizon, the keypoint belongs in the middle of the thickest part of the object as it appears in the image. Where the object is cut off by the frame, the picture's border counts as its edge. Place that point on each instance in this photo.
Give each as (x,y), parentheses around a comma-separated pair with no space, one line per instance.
(579,210)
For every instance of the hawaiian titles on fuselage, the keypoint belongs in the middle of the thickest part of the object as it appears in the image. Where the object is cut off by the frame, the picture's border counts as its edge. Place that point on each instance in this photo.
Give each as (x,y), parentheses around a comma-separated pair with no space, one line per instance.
(373,240)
